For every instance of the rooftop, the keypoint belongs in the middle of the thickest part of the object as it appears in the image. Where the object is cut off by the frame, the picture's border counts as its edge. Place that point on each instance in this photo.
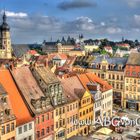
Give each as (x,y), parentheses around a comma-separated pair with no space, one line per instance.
(69,86)
(46,74)
(28,86)
(19,108)
(90,77)
(134,59)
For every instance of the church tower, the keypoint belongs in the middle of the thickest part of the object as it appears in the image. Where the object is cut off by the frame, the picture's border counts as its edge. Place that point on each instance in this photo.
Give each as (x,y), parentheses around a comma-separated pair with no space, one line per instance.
(5,40)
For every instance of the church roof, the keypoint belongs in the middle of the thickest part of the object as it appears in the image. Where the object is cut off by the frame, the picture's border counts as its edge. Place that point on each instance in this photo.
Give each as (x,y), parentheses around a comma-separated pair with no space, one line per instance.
(20,49)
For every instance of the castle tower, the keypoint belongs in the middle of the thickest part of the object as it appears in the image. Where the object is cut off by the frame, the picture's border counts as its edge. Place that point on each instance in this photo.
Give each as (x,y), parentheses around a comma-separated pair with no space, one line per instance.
(5,40)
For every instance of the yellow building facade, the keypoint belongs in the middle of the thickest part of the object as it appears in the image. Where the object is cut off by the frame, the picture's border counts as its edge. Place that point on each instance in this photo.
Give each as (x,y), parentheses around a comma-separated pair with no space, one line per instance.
(60,123)
(85,113)
(8,130)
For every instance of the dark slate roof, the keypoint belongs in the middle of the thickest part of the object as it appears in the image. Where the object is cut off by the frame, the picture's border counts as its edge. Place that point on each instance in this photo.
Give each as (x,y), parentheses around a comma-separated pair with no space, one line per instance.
(134,59)
(111,60)
(20,49)
(50,43)
(49,46)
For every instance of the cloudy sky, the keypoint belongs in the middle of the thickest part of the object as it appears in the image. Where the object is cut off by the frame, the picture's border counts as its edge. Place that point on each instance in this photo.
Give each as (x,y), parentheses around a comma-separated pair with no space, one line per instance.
(35,20)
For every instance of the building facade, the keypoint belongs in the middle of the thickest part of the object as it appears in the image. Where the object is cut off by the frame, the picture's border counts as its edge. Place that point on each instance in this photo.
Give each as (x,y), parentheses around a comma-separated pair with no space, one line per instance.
(23,116)
(7,118)
(131,98)
(38,104)
(109,69)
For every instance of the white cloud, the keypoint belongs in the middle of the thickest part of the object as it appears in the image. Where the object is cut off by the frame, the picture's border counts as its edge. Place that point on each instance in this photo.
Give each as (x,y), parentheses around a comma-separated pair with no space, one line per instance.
(113,30)
(84,23)
(13,14)
(103,23)
(133,3)
(137,19)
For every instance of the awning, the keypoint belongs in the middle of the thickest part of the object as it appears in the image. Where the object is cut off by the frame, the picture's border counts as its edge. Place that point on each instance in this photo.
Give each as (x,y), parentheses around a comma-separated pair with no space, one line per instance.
(104,131)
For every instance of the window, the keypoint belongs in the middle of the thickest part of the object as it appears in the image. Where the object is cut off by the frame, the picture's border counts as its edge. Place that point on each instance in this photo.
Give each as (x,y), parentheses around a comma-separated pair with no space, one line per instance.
(84,112)
(52,127)
(60,111)
(30,126)
(68,108)
(60,123)
(47,116)
(12,126)
(76,105)
(133,73)
(117,77)
(56,112)
(87,111)
(48,130)
(134,89)
(38,134)
(121,86)
(126,88)
(30,137)
(56,124)
(7,128)
(37,120)
(73,106)
(42,132)
(42,118)
(63,109)
(19,130)
(25,128)
(63,121)
(3,130)
(117,86)
(113,76)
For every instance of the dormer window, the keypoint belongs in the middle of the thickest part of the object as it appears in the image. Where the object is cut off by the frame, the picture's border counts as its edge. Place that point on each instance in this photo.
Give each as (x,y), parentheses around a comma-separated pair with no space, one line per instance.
(133,73)
(7,112)
(4,99)
(119,67)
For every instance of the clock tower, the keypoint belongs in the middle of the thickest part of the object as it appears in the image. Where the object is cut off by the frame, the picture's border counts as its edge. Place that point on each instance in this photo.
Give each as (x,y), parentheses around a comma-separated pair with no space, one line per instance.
(5,40)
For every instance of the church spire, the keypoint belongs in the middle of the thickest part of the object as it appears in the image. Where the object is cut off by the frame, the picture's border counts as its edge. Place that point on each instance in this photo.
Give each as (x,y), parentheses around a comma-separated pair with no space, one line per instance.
(4,17)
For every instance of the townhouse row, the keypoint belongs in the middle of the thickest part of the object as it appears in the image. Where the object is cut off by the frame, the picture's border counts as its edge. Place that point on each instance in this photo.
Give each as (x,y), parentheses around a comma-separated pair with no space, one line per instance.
(36,105)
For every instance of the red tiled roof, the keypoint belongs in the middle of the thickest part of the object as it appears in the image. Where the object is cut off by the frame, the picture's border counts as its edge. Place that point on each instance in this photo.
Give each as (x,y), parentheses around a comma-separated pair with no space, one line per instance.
(124,45)
(19,108)
(90,77)
(32,52)
(108,47)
